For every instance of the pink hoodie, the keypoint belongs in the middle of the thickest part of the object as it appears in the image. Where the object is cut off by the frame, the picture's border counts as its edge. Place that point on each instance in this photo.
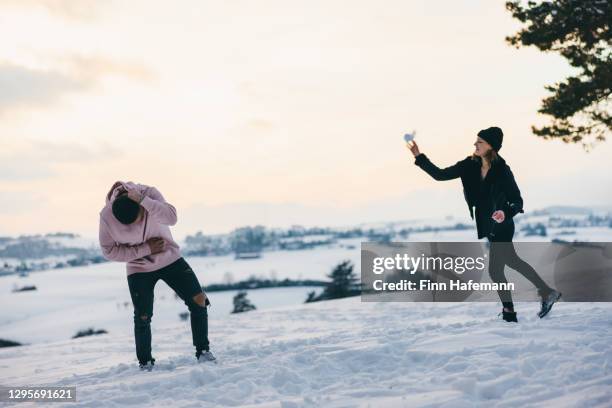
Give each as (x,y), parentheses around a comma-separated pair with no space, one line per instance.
(127,243)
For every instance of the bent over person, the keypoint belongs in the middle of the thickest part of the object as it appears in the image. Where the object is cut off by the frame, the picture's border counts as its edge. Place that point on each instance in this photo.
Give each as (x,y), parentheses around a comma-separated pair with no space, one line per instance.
(135,228)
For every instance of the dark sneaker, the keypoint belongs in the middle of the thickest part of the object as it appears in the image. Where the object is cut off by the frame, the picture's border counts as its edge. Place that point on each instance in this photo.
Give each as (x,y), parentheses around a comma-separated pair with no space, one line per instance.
(205,355)
(509,316)
(147,365)
(547,302)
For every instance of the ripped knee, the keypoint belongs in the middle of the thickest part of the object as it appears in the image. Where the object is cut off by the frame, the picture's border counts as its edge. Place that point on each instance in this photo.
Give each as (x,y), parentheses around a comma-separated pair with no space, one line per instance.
(144,317)
(200,299)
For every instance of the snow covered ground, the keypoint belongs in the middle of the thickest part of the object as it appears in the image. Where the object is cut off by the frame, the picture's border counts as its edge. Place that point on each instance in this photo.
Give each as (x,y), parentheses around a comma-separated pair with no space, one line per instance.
(344,353)
(340,353)
(71,299)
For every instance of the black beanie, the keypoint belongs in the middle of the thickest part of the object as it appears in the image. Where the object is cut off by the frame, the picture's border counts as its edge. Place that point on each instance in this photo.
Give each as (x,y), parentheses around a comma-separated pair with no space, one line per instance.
(493,136)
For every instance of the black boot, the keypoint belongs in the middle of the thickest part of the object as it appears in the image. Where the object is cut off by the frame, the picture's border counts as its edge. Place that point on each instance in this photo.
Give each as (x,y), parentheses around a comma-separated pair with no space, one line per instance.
(147,364)
(509,316)
(508,312)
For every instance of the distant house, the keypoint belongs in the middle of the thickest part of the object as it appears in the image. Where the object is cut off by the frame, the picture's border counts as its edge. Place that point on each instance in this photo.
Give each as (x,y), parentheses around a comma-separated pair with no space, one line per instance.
(248,242)
(247,255)
(305,242)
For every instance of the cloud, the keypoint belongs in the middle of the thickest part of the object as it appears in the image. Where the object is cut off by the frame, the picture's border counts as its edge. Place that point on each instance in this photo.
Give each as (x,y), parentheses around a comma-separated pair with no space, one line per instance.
(36,159)
(260,124)
(21,169)
(71,152)
(69,9)
(93,67)
(24,87)
(19,202)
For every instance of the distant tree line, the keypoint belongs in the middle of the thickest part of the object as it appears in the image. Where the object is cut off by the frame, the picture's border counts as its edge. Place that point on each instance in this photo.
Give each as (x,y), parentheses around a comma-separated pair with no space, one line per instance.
(256,283)
(259,238)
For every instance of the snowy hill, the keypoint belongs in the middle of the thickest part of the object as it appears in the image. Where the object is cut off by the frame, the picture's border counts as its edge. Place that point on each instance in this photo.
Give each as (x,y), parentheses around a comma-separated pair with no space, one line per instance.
(344,353)
(328,354)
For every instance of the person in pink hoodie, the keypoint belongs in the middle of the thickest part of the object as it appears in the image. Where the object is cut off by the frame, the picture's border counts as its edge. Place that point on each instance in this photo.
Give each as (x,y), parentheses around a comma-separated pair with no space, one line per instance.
(135,229)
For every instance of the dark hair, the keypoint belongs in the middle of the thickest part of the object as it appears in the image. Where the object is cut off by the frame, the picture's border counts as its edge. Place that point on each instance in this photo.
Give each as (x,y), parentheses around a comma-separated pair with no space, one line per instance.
(491,156)
(125,209)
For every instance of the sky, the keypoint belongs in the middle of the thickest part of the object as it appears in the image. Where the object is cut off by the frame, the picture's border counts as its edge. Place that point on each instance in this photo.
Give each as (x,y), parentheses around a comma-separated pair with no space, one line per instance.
(272,112)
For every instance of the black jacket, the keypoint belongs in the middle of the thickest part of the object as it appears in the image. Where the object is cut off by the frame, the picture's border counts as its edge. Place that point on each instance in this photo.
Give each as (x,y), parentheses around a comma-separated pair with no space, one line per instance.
(498,191)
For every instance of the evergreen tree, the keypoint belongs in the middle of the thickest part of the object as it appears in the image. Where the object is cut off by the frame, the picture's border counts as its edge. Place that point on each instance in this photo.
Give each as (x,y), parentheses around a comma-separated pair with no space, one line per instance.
(311,296)
(342,281)
(241,303)
(580,31)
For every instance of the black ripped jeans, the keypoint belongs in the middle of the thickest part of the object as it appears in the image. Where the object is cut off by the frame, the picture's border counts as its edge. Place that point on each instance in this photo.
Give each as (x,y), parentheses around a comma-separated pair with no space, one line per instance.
(502,253)
(181,278)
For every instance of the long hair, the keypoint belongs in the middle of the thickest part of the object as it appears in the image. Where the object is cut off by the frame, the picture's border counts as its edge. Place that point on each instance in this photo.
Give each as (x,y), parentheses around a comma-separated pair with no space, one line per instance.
(491,156)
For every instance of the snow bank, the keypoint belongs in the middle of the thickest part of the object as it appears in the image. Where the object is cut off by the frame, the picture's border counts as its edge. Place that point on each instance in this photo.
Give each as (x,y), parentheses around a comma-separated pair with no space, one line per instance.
(345,353)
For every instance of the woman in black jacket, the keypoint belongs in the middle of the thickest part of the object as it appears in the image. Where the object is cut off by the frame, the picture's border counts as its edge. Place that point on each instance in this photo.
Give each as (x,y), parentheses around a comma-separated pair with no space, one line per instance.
(489,188)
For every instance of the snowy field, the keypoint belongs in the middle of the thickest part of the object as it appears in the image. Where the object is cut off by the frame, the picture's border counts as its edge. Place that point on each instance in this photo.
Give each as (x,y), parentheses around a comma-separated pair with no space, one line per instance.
(74,299)
(287,354)
(345,353)
(71,299)
(299,264)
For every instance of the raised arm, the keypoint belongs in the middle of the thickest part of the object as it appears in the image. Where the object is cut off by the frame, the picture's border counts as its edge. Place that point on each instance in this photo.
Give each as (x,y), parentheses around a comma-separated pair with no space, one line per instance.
(447,173)
(110,192)
(113,251)
(157,207)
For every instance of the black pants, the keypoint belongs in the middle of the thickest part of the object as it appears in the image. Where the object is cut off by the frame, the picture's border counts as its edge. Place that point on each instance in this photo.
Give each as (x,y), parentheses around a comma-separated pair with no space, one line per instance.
(502,253)
(181,278)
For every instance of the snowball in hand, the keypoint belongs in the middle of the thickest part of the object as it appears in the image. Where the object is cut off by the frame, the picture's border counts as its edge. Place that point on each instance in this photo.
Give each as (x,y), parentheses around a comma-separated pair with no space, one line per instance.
(408,137)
